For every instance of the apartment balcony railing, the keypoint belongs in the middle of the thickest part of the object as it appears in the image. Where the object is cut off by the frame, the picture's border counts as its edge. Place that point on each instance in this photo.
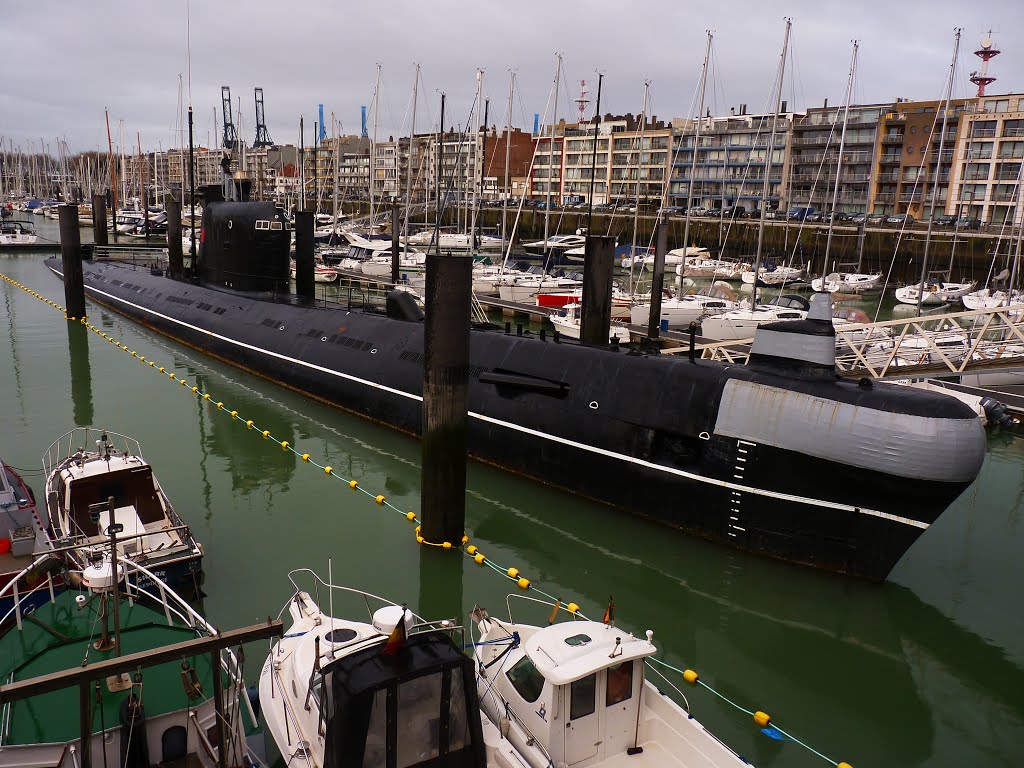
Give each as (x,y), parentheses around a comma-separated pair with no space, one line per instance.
(890,159)
(885,197)
(887,178)
(1013,132)
(892,138)
(812,140)
(983,133)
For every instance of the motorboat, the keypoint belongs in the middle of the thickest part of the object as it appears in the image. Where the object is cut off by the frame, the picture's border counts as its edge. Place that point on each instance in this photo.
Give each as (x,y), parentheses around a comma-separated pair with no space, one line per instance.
(577,692)
(162,714)
(568,323)
(321,272)
(523,287)
(96,479)
(453,241)
(17,232)
(380,265)
(739,324)
(391,689)
(22,534)
(846,282)
(558,243)
(680,311)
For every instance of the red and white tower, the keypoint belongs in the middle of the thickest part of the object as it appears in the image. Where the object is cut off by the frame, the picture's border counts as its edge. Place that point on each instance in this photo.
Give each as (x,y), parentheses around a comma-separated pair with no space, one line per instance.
(582,101)
(988,51)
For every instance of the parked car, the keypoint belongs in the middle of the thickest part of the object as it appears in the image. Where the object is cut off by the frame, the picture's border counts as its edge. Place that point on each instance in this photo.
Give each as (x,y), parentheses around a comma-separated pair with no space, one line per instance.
(945,220)
(836,216)
(967,222)
(900,220)
(775,214)
(734,212)
(858,218)
(800,214)
(875,218)
(815,216)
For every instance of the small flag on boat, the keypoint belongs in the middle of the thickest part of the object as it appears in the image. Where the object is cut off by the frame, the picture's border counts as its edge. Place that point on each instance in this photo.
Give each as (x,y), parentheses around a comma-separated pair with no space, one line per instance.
(554,611)
(609,612)
(396,641)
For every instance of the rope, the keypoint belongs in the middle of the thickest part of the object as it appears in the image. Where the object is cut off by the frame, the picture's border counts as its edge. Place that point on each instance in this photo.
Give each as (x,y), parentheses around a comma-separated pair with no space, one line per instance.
(468,549)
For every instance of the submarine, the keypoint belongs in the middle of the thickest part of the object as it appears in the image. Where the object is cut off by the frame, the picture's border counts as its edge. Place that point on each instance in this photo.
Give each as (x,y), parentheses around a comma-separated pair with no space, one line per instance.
(779,456)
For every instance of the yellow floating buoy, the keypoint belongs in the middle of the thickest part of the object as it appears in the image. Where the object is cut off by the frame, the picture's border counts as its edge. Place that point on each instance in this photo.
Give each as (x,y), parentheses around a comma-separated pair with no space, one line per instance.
(419,539)
(465,539)
(327,470)
(379,499)
(195,390)
(410,516)
(513,573)
(762,718)
(234,414)
(479,558)
(284,445)
(152,364)
(523,583)
(266,434)
(305,457)
(572,607)
(134,354)
(844,765)
(690,676)
(471,549)
(183,382)
(172,376)
(161,369)
(248,424)
(206,396)
(220,406)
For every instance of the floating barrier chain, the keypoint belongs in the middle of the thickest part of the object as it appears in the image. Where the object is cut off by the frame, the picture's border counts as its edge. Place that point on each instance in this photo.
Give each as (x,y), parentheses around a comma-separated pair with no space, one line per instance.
(762,719)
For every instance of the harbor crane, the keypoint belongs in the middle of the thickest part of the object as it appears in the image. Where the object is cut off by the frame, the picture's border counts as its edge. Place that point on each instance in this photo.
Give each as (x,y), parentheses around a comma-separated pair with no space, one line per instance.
(230,134)
(262,134)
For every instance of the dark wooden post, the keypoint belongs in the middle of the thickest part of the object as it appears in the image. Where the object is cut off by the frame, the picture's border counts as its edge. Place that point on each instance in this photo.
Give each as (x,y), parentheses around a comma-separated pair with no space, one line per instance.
(175,258)
(596,319)
(304,254)
(445,383)
(99,219)
(658,280)
(71,255)
(395,271)
(85,724)
(81,373)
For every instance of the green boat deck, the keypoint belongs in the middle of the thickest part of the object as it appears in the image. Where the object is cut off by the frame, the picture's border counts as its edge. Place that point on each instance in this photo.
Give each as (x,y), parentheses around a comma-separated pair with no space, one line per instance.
(36,650)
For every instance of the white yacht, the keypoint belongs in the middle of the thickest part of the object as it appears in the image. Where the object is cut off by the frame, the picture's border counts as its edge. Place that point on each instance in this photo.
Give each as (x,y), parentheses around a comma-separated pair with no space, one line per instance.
(846,282)
(740,324)
(777,275)
(524,286)
(934,294)
(986,298)
(575,693)
(15,232)
(680,311)
(567,323)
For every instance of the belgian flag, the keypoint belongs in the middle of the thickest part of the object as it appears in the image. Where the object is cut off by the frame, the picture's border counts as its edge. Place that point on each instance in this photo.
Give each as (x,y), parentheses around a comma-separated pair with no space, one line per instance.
(609,612)
(396,641)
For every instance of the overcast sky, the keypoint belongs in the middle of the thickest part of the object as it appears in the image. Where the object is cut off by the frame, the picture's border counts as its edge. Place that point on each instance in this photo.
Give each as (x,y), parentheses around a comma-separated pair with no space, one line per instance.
(64,63)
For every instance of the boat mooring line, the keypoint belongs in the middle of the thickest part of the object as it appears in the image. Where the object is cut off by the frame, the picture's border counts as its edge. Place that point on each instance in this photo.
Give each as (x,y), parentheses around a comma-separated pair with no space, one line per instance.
(536,433)
(470,550)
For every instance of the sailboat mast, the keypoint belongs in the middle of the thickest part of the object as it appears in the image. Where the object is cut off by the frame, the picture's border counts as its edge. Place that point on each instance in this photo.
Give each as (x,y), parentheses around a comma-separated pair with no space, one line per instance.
(113,176)
(373,145)
(639,173)
(337,162)
(412,152)
(551,152)
(768,162)
(696,145)
(477,147)
(508,155)
(938,165)
(839,163)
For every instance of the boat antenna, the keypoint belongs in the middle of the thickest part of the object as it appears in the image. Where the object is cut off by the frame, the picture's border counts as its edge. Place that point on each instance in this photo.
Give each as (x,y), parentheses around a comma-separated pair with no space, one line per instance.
(112,530)
(330,599)
(935,178)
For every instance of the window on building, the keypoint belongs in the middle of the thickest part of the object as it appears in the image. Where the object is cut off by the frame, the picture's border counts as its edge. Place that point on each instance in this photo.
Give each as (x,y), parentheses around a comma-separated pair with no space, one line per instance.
(997,105)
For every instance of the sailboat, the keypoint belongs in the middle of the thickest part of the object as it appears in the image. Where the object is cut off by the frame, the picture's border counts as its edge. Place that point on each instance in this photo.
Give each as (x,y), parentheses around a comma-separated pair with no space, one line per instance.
(926,292)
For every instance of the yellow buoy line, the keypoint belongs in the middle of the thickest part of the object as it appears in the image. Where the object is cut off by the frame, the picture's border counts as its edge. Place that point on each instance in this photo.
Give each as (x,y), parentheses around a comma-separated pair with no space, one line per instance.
(761,719)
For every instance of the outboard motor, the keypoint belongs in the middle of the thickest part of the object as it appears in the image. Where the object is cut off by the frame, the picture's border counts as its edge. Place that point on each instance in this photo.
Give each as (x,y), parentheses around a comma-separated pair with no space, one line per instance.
(996,413)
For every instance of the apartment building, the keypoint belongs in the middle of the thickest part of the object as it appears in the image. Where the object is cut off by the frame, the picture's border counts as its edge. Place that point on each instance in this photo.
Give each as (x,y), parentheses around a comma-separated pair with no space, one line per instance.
(911,153)
(731,159)
(986,178)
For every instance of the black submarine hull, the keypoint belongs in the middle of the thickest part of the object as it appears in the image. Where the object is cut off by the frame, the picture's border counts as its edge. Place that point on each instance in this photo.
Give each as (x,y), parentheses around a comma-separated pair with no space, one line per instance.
(697,445)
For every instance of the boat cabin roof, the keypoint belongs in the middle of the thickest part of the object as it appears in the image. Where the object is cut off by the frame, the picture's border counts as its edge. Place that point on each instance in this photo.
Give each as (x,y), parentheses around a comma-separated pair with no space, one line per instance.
(569,651)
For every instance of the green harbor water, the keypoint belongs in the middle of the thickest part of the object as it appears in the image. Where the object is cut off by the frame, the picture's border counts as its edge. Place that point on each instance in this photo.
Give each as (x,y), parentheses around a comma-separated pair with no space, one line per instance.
(925,670)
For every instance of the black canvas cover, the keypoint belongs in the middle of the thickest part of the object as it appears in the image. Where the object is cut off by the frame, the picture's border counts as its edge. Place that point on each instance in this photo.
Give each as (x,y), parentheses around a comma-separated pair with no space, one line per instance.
(418,707)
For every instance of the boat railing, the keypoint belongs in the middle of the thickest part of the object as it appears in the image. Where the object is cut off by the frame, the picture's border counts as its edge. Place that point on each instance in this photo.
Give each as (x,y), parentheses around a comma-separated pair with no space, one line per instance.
(84,438)
(19,598)
(318,582)
(508,605)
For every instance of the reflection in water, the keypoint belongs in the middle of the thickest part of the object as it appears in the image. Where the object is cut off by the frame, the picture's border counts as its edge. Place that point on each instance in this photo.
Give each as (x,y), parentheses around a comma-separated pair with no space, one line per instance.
(81,373)
(440,588)
(13,334)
